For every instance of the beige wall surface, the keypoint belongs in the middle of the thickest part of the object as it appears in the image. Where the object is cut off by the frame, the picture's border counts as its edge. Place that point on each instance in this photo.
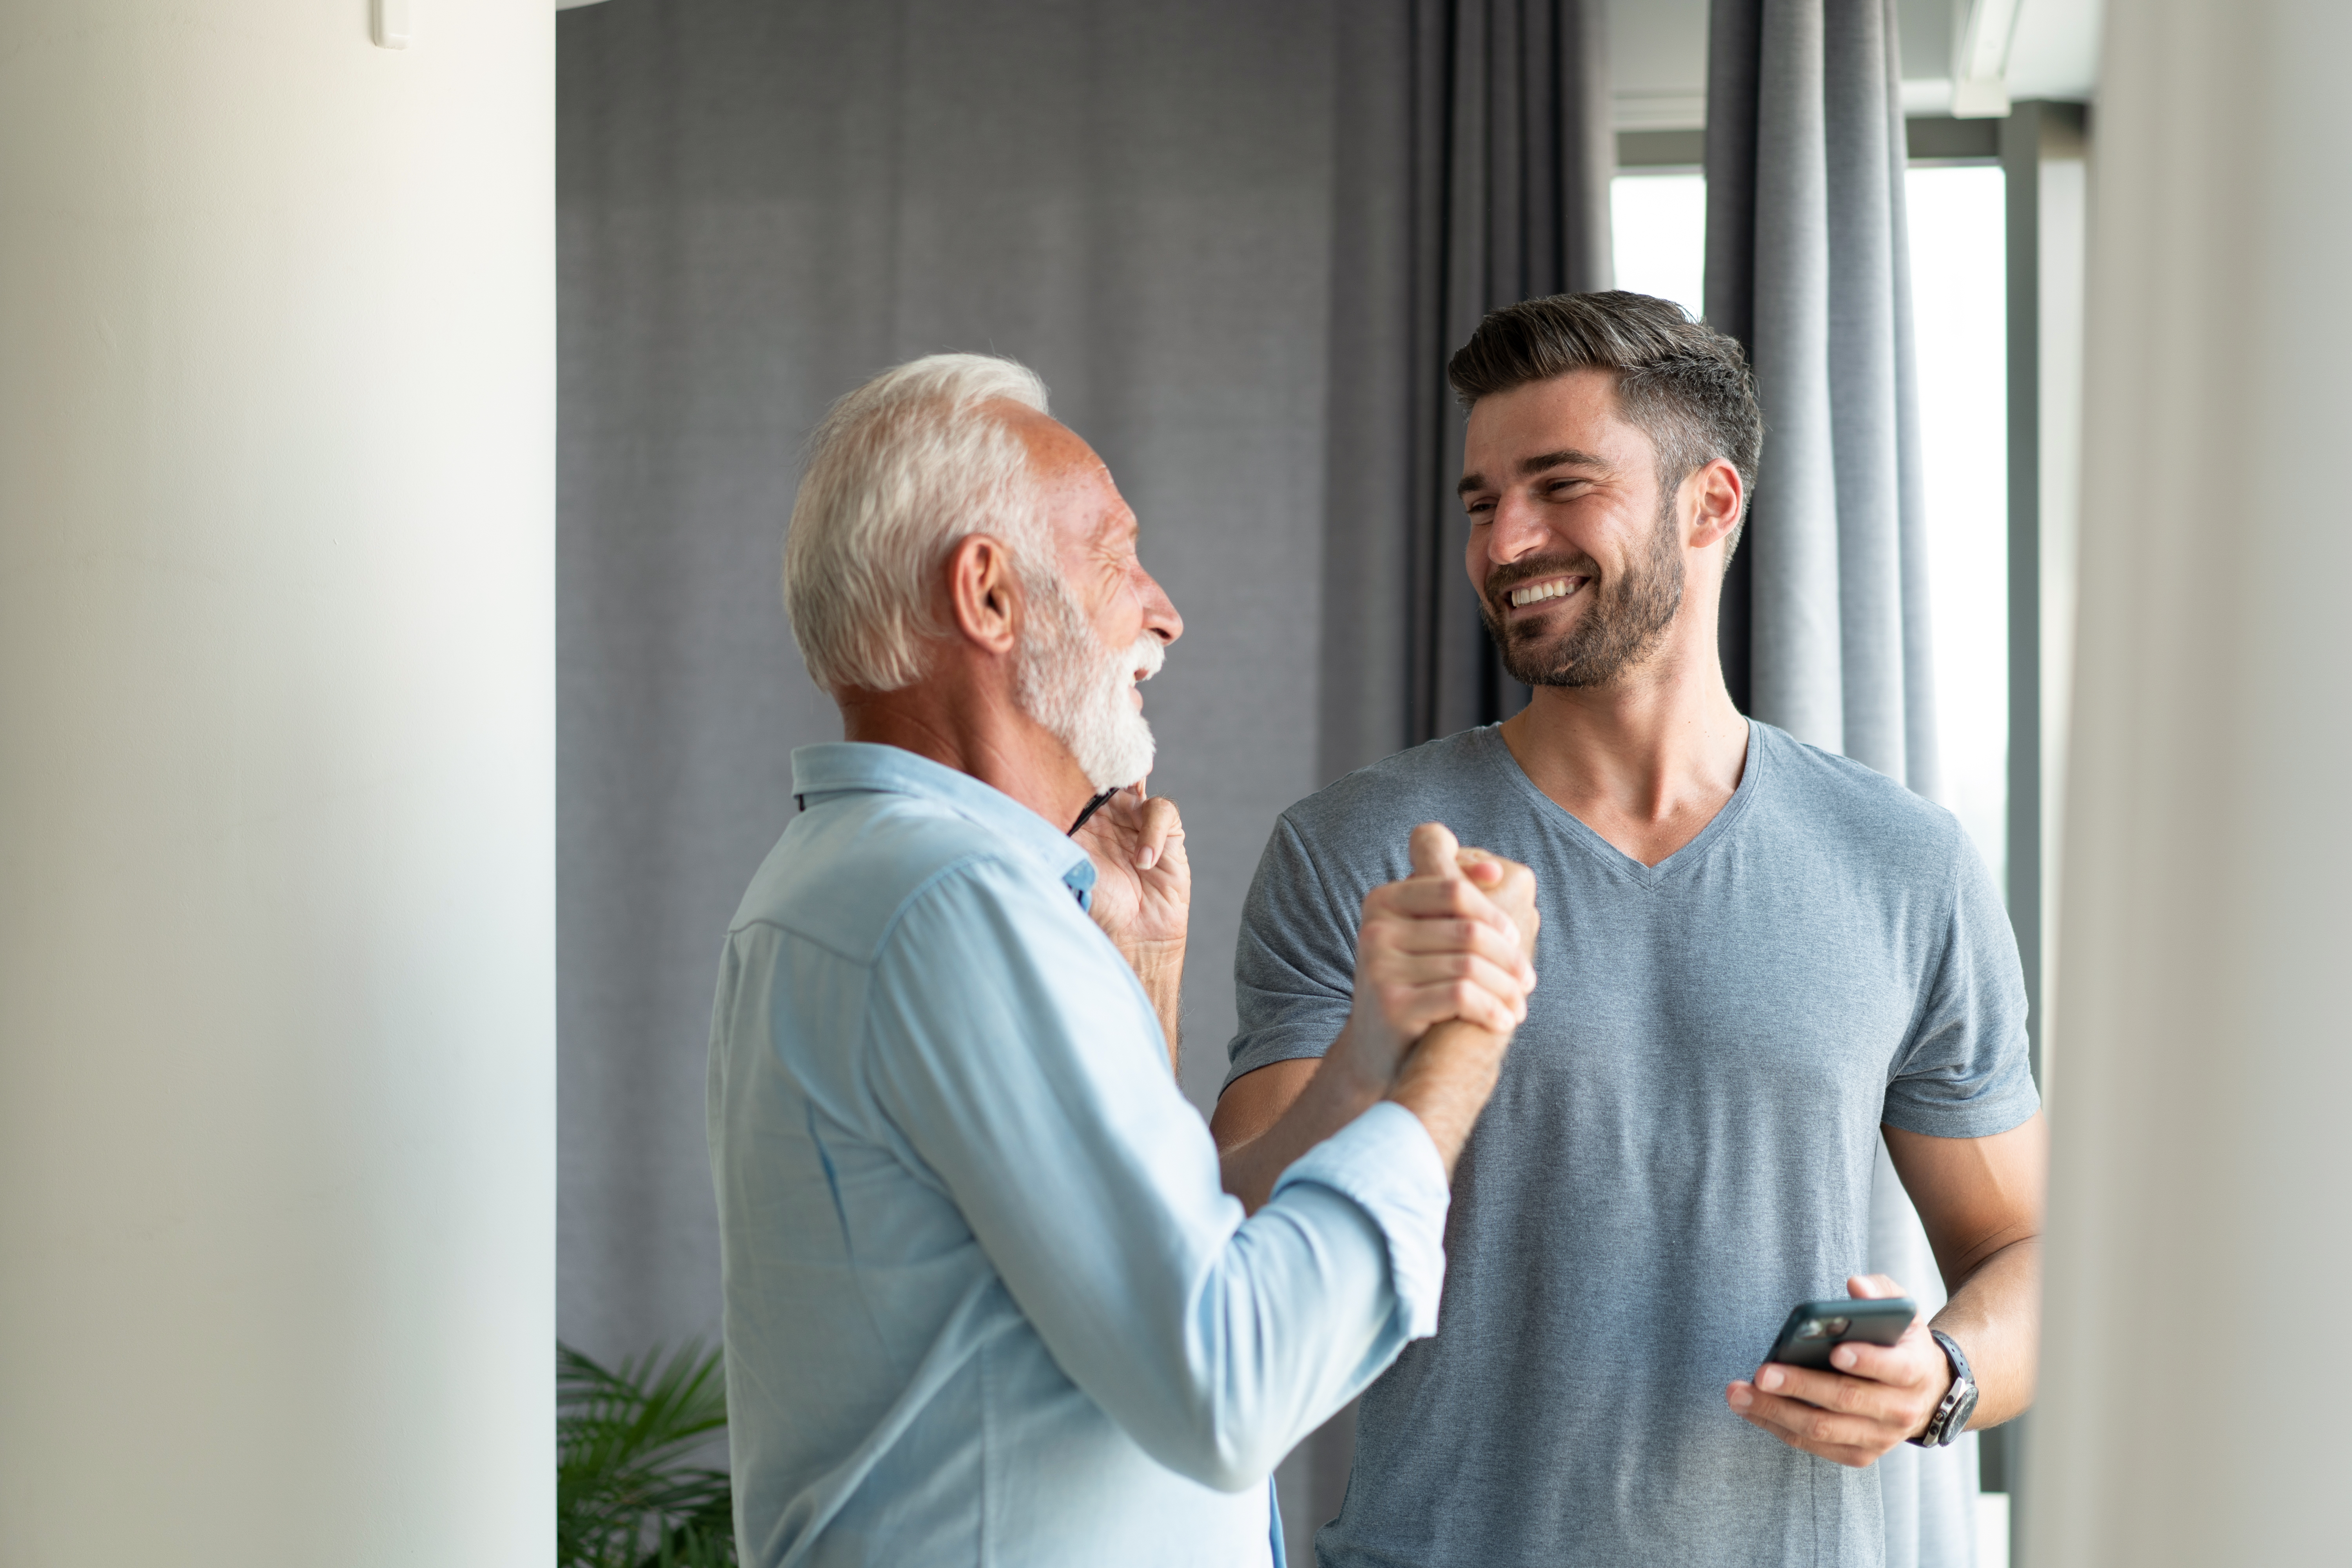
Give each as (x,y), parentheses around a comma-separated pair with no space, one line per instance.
(277,940)
(2200,1242)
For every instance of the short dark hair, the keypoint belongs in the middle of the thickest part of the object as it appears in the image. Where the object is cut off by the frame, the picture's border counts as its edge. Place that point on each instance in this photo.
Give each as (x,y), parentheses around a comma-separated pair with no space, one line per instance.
(1679,381)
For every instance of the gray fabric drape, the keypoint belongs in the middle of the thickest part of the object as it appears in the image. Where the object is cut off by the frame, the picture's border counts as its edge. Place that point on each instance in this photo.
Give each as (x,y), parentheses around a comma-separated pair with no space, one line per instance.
(1826,629)
(1806,265)
(1512,161)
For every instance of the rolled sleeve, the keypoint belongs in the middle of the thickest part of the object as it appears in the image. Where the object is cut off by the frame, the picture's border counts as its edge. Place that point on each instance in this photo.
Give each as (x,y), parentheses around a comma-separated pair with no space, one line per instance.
(1386,1165)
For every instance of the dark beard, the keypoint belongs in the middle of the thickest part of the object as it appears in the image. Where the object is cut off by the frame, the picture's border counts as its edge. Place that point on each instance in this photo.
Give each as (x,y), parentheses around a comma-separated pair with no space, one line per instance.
(1617,631)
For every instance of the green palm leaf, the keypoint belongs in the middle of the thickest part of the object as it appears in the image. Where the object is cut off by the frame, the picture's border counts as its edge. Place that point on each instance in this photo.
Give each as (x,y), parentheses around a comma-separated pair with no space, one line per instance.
(626,1492)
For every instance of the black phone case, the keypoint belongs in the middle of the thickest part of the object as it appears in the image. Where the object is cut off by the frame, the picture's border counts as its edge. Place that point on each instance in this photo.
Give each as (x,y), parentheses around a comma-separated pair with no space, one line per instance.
(1816,1328)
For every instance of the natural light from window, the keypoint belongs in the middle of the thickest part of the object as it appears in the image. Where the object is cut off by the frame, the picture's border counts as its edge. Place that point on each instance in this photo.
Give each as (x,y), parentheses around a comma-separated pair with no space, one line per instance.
(1960,323)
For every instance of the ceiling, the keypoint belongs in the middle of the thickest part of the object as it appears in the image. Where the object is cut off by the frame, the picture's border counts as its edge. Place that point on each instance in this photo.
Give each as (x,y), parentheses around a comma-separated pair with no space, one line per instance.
(1658,56)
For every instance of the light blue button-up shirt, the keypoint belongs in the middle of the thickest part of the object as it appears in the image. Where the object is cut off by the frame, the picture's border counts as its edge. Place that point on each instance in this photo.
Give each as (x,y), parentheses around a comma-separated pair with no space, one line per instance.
(986,1301)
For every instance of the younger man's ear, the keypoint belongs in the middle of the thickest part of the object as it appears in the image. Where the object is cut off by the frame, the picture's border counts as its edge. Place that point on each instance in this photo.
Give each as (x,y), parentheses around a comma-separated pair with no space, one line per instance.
(1720,497)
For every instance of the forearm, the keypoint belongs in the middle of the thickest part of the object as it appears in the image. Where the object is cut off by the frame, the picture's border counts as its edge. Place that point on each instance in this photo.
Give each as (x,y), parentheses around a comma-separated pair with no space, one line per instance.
(1342,1089)
(1446,1079)
(1995,1316)
(1161,968)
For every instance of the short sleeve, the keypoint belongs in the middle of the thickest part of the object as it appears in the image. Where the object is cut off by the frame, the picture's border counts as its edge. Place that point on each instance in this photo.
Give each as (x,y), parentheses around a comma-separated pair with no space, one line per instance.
(1965,1070)
(1295,964)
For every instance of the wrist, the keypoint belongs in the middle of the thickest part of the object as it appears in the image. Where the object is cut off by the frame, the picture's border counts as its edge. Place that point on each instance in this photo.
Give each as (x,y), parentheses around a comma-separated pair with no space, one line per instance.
(1956,1400)
(1351,1077)
(1365,1057)
(1152,958)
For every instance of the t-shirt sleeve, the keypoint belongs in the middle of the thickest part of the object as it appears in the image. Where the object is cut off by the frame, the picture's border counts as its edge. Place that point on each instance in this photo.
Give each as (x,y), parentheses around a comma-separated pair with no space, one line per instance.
(1964,1071)
(1295,964)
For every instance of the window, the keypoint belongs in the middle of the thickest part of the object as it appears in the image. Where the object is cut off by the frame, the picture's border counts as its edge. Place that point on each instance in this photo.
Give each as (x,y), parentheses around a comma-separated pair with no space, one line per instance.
(1959,311)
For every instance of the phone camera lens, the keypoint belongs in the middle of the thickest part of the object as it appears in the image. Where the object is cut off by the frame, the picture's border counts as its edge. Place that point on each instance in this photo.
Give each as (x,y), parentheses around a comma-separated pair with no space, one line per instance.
(1811,1329)
(1838,1325)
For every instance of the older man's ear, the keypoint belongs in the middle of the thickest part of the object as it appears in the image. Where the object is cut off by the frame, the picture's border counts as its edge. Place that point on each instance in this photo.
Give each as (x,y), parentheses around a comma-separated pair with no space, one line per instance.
(983,592)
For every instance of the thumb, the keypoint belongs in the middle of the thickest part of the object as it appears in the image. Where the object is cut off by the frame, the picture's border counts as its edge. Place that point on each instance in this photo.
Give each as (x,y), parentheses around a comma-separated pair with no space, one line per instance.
(1433,850)
(1872,1287)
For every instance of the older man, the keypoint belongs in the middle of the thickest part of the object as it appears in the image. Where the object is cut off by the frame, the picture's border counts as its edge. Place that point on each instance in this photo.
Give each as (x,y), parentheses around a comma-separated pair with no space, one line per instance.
(1760,959)
(985,1299)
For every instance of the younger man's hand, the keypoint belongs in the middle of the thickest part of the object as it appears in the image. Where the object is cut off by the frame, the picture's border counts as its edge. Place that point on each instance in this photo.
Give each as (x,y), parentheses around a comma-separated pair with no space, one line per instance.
(1879,1397)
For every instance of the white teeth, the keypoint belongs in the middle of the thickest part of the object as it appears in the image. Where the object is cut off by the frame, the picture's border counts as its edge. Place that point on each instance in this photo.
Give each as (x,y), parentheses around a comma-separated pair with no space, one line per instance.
(1555,589)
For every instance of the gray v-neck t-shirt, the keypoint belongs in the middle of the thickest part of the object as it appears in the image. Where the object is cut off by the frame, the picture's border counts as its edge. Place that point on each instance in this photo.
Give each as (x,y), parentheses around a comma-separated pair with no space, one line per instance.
(1679,1149)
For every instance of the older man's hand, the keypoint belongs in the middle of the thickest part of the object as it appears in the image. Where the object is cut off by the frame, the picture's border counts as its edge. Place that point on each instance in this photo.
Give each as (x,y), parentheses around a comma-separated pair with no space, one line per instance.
(1143,890)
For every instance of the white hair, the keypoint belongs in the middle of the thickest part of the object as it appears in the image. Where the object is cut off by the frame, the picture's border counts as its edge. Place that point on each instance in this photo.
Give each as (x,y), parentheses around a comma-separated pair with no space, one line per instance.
(901,470)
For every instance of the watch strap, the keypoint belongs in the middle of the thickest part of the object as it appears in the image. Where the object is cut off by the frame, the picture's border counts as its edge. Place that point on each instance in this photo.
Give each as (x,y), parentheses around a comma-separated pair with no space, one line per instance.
(1958,1402)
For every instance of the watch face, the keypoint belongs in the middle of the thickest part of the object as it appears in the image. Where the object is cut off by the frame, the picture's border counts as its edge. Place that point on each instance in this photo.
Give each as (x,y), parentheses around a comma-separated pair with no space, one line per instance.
(1959,1421)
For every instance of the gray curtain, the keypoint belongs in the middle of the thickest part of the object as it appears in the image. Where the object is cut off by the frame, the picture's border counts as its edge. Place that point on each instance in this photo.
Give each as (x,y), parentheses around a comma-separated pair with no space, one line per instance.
(1237,239)
(1512,158)
(1825,628)
(1472,171)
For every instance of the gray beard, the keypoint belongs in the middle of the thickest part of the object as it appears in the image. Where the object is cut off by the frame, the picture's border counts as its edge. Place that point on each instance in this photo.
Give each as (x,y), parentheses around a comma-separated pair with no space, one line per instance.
(1066,681)
(1617,631)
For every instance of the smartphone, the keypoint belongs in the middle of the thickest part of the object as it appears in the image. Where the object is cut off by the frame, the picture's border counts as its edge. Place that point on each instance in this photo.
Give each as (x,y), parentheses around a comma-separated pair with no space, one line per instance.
(1816,1328)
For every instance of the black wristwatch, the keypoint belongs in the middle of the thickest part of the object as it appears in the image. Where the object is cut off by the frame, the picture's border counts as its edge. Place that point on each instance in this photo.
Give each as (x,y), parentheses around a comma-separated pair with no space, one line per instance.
(1951,1416)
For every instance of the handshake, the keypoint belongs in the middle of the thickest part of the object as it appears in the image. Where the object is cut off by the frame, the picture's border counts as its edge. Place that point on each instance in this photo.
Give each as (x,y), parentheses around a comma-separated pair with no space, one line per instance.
(1444,961)
(1443,966)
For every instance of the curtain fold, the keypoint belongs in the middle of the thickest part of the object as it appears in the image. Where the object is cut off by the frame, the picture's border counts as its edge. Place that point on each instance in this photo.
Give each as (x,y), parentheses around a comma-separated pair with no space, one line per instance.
(1512,158)
(1825,628)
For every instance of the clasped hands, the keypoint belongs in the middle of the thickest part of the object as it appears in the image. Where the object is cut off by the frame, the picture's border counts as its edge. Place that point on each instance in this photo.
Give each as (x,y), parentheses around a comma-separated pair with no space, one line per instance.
(1453,940)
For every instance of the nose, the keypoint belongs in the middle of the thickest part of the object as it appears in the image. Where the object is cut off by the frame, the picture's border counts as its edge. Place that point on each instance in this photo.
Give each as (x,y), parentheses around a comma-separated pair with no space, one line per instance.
(1518,530)
(1159,616)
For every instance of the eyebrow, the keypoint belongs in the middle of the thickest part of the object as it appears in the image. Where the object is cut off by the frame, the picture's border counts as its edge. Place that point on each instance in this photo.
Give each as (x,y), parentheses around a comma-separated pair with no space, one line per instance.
(1565,457)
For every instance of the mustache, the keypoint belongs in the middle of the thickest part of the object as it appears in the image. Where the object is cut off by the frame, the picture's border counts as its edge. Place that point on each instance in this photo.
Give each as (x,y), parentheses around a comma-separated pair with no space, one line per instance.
(1145,656)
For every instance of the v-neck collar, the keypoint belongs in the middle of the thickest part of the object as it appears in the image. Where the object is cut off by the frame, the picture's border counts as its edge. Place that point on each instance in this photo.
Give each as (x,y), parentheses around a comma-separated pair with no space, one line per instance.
(1614,859)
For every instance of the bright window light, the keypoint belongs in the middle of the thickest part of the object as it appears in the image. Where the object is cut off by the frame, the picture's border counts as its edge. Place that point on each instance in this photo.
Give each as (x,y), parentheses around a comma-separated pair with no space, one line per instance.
(1960,312)
(1658,223)
(1959,318)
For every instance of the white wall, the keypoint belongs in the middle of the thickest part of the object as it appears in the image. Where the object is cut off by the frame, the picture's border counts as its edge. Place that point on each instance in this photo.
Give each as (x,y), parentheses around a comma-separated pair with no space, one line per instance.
(2201,1240)
(276,424)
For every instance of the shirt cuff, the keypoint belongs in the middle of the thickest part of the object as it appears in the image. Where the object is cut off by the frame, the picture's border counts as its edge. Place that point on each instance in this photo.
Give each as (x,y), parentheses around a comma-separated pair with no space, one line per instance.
(1385,1163)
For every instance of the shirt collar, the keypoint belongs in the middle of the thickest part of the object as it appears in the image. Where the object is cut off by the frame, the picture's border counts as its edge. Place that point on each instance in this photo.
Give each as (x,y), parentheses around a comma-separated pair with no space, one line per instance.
(837,767)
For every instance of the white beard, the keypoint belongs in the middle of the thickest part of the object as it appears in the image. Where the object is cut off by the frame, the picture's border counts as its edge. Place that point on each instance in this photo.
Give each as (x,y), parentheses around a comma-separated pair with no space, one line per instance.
(1079,691)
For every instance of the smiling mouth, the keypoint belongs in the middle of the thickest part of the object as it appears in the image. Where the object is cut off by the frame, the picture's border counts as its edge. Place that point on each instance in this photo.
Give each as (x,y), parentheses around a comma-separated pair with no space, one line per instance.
(1528,593)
